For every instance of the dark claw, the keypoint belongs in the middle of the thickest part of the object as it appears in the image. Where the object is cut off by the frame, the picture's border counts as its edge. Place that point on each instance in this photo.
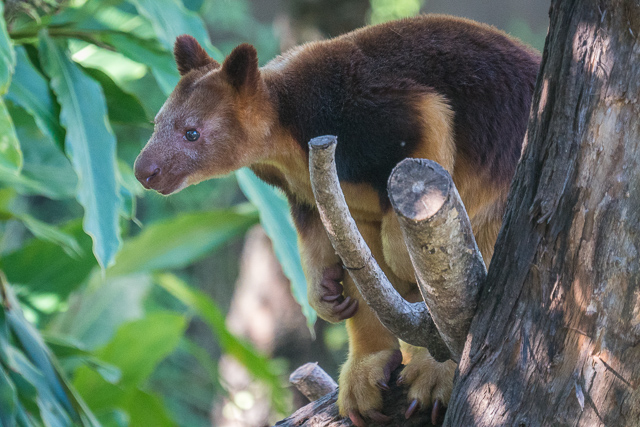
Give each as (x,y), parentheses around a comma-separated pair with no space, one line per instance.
(378,417)
(349,311)
(356,419)
(411,409)
(394,361)
(438,412)
(400,380)
(341,307)
(383,385)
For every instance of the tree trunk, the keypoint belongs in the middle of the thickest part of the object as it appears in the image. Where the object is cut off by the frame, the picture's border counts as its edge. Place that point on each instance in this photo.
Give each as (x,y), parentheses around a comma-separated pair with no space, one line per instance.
(556,339)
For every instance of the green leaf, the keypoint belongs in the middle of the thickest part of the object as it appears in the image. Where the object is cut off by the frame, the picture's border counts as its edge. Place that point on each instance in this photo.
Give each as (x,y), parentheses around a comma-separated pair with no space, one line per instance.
(52,234)
(7,55)
(8,400)
(147,410)
(277,223)
(10,154)
(136,349)
(159,61)
(129,189)
(57,272)
(91,146)
(33,369)
(258,365)
(31,91)
(95,313)
(123,107)
(179,241)
(170,19)
(46,169)
(38,353)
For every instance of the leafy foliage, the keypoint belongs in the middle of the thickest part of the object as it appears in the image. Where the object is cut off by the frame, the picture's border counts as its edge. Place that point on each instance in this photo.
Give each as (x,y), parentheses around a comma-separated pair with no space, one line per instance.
(77,90)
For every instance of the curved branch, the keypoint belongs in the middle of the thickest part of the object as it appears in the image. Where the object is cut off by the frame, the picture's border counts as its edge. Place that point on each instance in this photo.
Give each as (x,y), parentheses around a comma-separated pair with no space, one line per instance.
(411,322)
(443,250)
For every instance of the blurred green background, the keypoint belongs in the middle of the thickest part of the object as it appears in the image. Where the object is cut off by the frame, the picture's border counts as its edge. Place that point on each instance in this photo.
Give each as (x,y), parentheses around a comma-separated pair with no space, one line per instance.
(121,307)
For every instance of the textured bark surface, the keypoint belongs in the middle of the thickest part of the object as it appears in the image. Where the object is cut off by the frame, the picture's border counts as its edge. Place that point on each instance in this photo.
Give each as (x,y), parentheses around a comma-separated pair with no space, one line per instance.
(411,322)
(443,250)
(556,340)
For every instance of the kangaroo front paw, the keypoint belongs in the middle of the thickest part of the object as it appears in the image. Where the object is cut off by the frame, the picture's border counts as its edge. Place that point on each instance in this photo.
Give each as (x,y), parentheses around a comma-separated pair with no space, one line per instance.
(430,384)
(330,302)
(361,381)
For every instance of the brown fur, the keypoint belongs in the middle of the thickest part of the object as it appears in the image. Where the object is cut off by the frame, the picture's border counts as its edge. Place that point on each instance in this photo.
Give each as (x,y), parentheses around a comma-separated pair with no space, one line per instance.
(444,88)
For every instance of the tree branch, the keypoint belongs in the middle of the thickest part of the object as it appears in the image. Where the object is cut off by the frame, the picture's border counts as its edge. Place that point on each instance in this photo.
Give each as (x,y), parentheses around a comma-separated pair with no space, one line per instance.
(443,250)
(411,322)
(324,411)
(312,381)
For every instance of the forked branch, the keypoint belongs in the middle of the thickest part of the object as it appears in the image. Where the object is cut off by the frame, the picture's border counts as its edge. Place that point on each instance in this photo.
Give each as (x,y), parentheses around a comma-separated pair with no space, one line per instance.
(438,234)
(411,322)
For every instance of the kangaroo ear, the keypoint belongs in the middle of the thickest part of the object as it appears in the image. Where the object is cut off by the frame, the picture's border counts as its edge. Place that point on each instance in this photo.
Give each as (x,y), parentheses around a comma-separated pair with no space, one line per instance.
(241,67)
(190,55)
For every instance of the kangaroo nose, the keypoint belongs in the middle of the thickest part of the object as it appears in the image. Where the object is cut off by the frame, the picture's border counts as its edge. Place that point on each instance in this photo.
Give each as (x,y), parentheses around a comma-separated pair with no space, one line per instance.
(147,173)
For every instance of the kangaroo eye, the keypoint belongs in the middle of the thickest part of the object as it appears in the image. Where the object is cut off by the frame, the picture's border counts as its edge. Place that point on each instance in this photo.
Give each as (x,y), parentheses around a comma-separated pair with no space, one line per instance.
(192,135)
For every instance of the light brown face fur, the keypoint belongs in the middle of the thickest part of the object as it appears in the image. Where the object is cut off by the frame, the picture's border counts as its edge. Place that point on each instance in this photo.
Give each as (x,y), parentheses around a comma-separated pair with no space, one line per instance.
(225,104)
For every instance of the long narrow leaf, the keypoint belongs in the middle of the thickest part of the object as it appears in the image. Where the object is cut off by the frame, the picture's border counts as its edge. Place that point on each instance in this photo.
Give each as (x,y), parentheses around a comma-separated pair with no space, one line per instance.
(158,60)
(7,55)
(38,380)
(10,154)
(57,271)
(276,220)
(90,144)
(30,90)
(170,19)
(258,365)
(179,241)
(8,399)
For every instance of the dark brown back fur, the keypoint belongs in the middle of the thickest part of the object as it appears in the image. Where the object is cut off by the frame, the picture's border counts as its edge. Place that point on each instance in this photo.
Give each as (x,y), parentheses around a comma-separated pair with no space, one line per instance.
(360,87)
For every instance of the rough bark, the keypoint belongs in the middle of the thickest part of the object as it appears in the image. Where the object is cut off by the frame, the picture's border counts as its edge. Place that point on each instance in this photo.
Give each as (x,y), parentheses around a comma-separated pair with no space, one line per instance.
(556,340)
(443,250)
(410,322)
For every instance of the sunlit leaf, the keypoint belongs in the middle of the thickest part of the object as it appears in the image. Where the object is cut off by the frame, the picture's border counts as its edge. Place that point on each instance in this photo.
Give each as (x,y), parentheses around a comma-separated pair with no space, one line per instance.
(179,241)
(170,19)
(277,223)
(7,55)
(258,365)
(30,90)
(90,144)
(46,170)
(159,61)
(123,107)
(10,154)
